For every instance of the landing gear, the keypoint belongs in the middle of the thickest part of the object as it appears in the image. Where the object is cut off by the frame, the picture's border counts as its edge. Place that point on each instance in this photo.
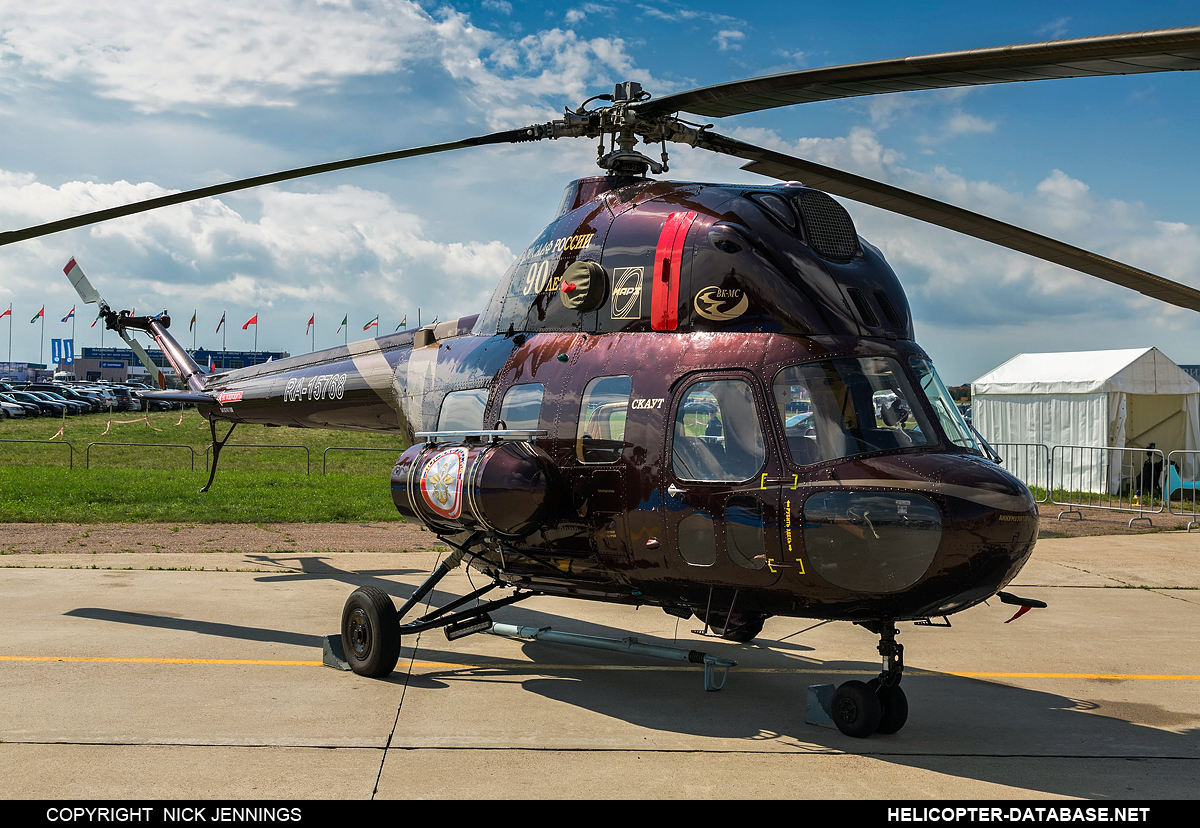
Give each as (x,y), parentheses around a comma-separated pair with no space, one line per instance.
(856,709)
(370,632)
(371,627)
(895,706)
(878,706)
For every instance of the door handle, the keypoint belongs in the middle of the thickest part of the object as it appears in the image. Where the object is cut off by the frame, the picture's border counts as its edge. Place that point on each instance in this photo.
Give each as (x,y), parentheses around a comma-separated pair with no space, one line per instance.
(675,491)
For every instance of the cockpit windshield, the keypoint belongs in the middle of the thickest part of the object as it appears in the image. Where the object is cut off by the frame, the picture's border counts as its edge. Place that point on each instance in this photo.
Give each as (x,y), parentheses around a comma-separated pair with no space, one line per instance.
(943,405)
(841,407)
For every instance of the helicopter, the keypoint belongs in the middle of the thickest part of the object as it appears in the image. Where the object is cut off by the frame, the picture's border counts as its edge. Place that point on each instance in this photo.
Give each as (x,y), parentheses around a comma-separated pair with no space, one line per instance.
(702,397)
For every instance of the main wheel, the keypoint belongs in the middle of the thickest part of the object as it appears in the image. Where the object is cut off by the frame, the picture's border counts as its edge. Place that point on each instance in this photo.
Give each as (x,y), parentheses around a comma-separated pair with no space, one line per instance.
(745,633)
(895,707)
(856,709)
(370,632)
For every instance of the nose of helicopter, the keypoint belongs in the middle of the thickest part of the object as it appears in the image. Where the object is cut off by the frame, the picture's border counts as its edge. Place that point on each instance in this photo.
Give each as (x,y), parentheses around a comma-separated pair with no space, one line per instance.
(989,530)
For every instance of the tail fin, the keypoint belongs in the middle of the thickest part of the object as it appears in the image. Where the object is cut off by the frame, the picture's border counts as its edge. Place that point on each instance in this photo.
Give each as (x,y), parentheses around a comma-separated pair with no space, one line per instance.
(156,326)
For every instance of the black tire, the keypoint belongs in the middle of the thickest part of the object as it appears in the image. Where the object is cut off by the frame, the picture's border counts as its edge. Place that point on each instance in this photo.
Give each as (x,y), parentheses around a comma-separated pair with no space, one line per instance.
(856,709)
(895,707)
(370,632)
(745,633)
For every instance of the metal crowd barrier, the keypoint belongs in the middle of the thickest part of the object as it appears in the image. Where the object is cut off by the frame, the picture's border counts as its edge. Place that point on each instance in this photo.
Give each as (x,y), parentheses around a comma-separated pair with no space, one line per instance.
(1104,477)
(191,451)
(1180,481)
(71,458)
(1029,463)
(227,446)
(395,451)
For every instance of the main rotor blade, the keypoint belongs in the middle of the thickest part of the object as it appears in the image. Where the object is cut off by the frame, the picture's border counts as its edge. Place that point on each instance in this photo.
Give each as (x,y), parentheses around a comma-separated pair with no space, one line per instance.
(12,236)
(867,191)
(1162,50)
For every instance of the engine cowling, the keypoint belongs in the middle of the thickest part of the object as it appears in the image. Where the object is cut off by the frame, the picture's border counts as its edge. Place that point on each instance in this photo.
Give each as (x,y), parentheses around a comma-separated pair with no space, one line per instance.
(508,489)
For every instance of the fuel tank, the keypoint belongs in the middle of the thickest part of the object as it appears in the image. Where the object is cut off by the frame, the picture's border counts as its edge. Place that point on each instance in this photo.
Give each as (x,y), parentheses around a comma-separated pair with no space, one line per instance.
(507,489)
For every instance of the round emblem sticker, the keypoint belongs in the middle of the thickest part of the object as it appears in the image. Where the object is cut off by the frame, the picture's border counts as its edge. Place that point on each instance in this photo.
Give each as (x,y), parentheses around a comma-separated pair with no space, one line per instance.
(442,482)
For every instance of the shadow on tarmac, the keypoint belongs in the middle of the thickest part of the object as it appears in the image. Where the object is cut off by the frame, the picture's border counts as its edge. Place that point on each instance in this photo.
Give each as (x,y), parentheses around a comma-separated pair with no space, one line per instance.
(963,727)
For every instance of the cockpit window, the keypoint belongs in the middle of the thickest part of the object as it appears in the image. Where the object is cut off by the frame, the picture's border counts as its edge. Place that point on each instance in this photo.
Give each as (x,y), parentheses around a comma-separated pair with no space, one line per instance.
(842,407)
(717,433)
(943,405)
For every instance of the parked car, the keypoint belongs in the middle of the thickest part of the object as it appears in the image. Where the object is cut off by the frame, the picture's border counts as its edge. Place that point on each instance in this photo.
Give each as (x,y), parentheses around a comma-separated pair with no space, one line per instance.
(48,408)
(73,407)
(10,411)
(30,409)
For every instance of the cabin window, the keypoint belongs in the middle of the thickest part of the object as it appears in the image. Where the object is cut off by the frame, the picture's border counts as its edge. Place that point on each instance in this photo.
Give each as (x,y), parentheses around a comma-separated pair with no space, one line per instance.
(601,436)
(745,534)
(522,406)
(717,433)
(842,407)
(463,410)
(698,540)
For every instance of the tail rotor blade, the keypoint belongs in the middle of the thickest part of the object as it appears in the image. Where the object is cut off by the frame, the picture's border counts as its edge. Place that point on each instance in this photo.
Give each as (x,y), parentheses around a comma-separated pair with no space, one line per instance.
(82,286)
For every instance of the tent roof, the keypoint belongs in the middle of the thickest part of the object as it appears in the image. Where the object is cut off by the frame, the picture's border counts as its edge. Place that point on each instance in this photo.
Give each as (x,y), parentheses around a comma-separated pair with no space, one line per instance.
(1134,371)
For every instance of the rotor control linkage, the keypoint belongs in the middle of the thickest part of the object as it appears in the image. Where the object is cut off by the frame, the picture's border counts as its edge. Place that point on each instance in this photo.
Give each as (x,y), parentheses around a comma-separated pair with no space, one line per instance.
(713,680)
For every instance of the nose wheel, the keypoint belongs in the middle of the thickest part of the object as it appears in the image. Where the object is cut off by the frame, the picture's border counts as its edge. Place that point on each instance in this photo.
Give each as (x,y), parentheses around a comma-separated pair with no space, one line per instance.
(878,706)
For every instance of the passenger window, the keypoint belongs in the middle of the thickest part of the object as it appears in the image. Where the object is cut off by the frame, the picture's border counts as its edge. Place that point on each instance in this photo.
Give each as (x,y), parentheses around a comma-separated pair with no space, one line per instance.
(463,410)
(522,408)
(717,433)
(601,437)
(745,535)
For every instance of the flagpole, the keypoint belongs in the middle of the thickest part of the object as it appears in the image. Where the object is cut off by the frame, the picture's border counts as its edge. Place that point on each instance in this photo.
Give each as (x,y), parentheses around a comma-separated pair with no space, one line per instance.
(42,345)
(10,319)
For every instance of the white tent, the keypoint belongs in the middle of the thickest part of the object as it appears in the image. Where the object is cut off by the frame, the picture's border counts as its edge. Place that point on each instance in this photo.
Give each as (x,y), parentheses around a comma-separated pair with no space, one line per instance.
(1121,399)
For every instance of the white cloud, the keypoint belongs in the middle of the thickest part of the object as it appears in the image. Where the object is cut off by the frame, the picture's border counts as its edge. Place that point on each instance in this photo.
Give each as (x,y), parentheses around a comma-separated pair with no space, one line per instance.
(346,247)
(158,56)
(1055,28)
(729,39)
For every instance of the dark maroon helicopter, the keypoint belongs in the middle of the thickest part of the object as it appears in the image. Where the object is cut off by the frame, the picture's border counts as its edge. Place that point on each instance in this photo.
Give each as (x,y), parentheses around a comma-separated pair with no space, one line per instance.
(701,397)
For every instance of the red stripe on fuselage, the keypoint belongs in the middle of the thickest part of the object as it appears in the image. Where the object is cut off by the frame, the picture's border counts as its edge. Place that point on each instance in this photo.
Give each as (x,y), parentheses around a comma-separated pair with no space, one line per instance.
(664,301)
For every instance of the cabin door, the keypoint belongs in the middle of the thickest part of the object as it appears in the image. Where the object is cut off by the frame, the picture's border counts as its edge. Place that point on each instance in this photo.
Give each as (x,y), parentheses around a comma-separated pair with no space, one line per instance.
(721,515)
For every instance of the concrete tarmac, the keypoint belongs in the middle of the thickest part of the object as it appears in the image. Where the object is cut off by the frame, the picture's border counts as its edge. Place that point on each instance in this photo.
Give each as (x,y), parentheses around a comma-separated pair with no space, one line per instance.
(198,675)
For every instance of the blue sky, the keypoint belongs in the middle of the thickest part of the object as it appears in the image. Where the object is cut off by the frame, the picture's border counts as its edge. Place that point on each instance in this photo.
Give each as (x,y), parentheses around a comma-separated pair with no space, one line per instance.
(104,103)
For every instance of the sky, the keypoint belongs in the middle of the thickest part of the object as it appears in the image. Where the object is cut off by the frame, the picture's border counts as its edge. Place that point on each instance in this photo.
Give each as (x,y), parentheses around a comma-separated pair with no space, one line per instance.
(103,103)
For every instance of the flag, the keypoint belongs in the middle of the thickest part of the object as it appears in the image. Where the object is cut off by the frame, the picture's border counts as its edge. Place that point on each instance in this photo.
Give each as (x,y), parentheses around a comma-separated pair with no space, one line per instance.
(403,322)
(192,324)
(344,318)
(253,320)
(7,312)
(312,320)
(374,323)
(211,366)
(39,315)
(219,324)
(70,315)
(94,321)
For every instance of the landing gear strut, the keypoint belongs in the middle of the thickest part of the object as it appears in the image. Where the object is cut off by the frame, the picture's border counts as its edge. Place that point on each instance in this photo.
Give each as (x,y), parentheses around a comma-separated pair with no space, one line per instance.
(371,627)
(879,706)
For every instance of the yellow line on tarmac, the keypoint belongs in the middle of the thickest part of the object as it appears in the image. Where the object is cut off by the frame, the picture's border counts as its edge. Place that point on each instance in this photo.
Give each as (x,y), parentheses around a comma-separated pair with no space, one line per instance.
(98,660)
(529,666)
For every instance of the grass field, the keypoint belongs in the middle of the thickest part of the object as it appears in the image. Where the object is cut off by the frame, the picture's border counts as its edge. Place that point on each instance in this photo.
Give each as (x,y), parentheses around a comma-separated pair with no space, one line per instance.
(161,481)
